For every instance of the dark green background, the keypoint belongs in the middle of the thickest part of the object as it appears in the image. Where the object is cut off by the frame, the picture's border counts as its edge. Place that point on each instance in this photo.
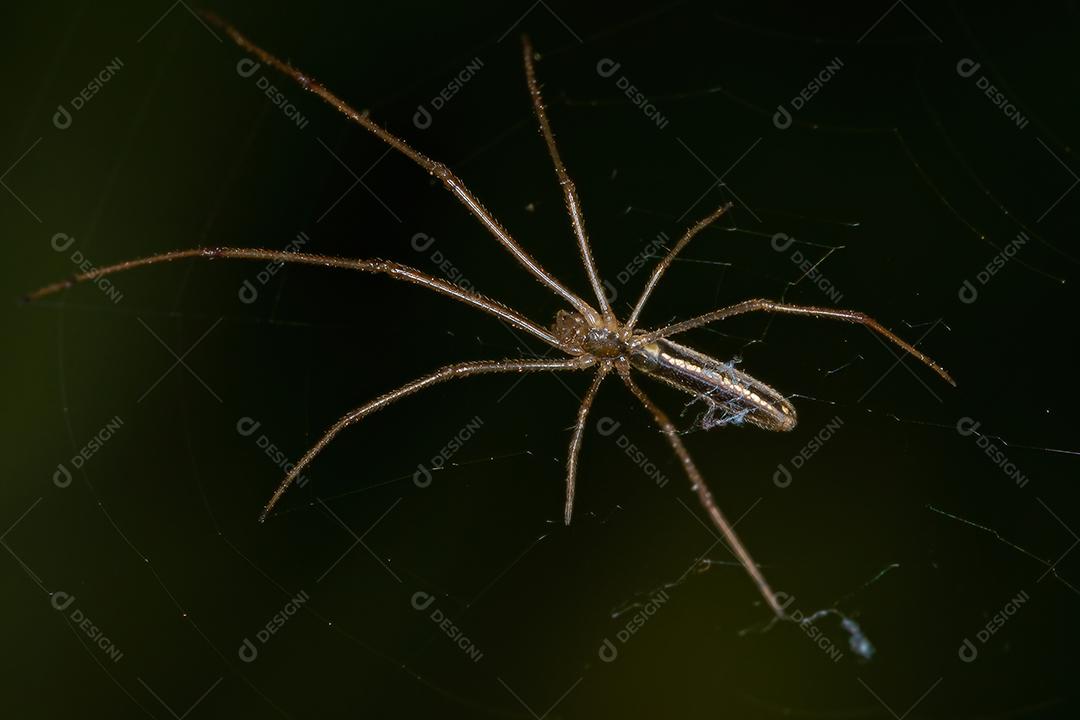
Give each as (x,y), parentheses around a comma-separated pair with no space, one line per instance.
(157,539)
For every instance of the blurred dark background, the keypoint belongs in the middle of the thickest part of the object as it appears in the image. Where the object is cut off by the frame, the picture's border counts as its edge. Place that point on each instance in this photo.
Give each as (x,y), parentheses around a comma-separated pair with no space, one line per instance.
(137,580)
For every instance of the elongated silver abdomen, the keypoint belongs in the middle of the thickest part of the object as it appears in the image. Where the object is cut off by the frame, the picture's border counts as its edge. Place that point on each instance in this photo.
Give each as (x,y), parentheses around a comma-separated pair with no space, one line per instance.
(730,393)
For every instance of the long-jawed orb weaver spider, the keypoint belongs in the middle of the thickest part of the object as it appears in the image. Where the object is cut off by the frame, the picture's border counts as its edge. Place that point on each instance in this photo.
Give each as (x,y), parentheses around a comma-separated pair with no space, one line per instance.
(590,337)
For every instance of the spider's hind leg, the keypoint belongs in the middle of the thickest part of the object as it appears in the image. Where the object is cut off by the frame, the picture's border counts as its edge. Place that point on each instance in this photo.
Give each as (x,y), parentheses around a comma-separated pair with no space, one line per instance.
(771,306)
(727,530)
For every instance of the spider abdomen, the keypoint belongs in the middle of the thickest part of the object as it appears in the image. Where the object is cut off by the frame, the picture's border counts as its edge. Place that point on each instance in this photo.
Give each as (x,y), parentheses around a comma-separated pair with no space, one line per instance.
(732,396)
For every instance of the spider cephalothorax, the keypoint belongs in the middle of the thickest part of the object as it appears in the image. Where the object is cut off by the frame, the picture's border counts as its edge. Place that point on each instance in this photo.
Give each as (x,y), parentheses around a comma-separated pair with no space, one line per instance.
(603,339)
(588,337)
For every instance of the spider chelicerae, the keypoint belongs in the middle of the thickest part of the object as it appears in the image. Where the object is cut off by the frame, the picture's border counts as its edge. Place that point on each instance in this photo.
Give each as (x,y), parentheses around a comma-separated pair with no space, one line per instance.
(590,337)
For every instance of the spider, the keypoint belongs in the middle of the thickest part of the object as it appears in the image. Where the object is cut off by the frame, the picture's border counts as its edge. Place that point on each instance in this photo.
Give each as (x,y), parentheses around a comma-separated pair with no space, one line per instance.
(589,337)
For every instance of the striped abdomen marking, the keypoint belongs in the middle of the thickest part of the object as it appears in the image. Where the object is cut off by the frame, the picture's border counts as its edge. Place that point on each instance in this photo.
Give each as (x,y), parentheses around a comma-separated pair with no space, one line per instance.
(749,400)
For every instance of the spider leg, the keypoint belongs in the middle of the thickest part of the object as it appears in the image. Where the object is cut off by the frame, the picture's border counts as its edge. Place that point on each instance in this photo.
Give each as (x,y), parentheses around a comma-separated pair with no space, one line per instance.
(664,264)
(450,372)
(575,440)
(451,181)
(697,482)
(804,310)
(394,270)
(573,203)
